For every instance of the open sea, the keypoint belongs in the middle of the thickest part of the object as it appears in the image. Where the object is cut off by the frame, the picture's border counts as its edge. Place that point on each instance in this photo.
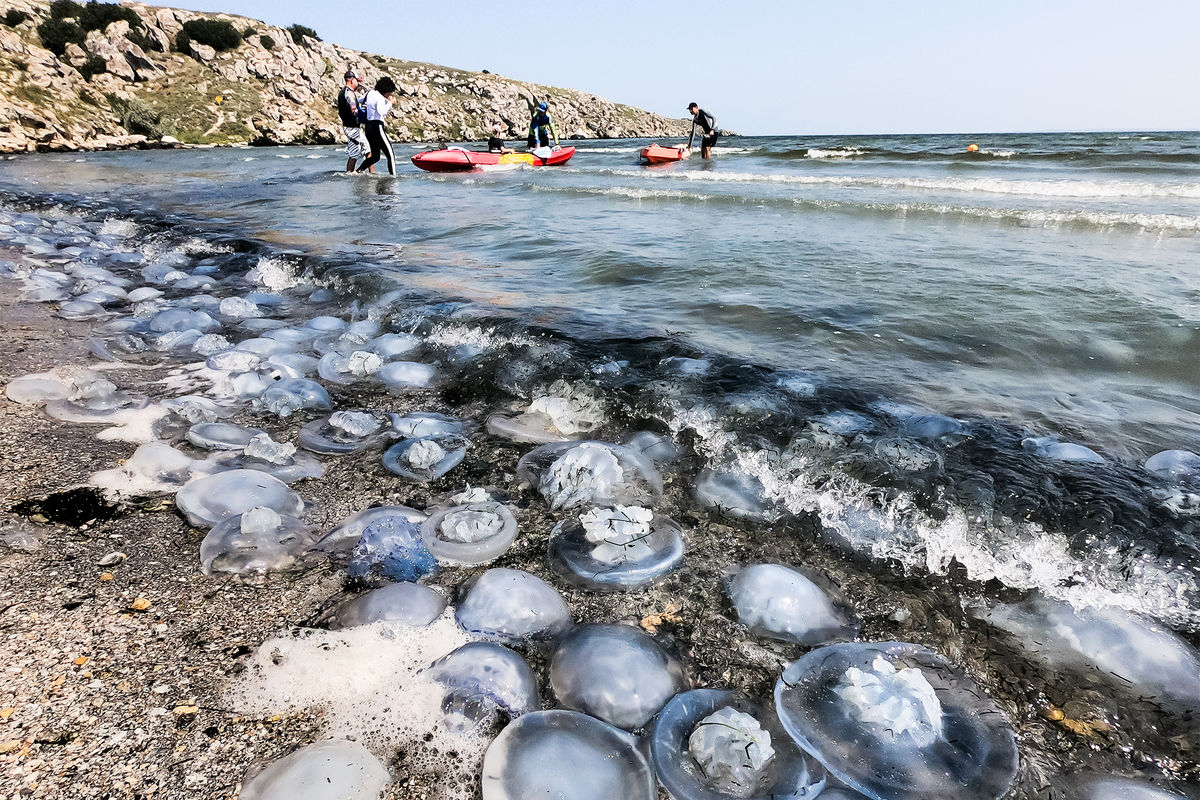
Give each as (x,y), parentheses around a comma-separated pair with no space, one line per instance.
(956,363)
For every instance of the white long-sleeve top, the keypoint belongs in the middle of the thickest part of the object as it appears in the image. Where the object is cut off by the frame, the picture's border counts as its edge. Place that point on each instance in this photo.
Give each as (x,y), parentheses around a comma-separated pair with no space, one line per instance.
(377,106)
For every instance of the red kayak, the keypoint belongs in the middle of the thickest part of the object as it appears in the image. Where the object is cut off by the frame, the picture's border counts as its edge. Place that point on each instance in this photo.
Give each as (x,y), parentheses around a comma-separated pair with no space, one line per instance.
(455,160)
(657,154)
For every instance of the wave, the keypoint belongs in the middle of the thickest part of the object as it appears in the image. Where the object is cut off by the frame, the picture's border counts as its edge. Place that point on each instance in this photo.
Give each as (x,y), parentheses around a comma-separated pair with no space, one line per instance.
(1082,157)
(1047,188)
(835,153)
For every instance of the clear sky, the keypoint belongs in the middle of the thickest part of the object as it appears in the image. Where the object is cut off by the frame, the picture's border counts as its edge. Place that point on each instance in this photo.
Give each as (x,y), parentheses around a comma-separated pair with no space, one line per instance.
(800,67)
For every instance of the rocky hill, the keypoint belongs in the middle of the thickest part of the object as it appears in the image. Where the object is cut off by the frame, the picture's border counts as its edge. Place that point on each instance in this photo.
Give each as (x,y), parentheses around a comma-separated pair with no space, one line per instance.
(100,75)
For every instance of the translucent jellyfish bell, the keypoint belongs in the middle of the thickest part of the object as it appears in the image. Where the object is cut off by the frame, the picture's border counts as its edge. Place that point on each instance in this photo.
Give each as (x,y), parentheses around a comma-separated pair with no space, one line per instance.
(1109,787)
(330,770)
(509,605)
(220,435)
(615,548)
(278,459)
(1051,448)
(615,673)
(405,376)
(792,606)
(567,756)
(424,423)
(736,494)
(711,744)
(484,681)
(1174,465)
(392,545)
(209,500)
(549,419)
(470,534)
(401,603)
(426,458)
(342,432)
(896,721)
(292,394)
(257,541)
(572,474)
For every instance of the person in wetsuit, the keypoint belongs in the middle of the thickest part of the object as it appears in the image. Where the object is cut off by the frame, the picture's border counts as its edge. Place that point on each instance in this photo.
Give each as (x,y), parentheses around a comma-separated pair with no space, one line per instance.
(495,143)
(541,127)
(378,103)
(708,129)
(348,103)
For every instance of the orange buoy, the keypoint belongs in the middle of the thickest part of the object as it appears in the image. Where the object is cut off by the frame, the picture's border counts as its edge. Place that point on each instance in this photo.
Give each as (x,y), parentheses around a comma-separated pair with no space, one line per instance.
(972,148)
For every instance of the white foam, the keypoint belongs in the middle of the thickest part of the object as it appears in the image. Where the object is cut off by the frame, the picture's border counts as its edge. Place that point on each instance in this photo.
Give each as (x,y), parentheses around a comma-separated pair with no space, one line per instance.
(835,153)
(365,684)
(275,273)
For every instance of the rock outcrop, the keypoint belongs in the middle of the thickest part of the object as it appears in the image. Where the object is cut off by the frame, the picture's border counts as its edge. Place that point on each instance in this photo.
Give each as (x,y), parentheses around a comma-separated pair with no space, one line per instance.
(128,85)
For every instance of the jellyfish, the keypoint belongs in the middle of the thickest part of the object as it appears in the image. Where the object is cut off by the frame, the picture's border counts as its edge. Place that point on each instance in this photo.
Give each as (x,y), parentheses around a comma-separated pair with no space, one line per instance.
(91,400)
(567,756)
(342,432)
(1049,447)
(221,435)
(329,770)
(615,548)
(38,388)
(570,474)
(470,534)
(659,449)
(548,419)
(347,534)
(292,394)
(426,458)
(153,467)
(736,494)
(1110,787)
(278,459)
(511,606)
(712,744)
(484,683)
(257,541)
(358,365)
(404,376)
(390,345)
(208,500)
(402,603)
(789,605)
(615,673)
(416,424)
(1174,465)
(391,544)
(896,721)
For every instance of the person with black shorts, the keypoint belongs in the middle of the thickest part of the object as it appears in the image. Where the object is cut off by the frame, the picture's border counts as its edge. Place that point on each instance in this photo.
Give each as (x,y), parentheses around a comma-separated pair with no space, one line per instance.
(378,103)
(709,132)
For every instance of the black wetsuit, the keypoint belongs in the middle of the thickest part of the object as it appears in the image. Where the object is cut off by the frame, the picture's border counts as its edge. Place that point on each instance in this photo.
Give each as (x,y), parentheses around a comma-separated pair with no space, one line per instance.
(495,144)
(708,127)
(347,112)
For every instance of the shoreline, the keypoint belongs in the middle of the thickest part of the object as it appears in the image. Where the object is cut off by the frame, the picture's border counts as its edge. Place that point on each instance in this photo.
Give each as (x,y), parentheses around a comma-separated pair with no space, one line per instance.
(111,715)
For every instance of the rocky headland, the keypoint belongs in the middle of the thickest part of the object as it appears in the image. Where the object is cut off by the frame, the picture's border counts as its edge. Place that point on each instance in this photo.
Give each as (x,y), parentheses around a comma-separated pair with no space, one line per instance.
(101,76)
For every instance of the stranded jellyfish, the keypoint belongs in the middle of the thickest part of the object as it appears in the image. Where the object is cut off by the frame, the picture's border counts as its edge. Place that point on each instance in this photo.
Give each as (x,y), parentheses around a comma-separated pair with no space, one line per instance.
(615,548)
(786,604)
(426,458)
(278,459)
(220,435)
(416,424)
(735,494)
(710,744)
(470,534)
(401,603)
(509,605)
(342,432)
(615,673)
(257,541)
(331,770)
(548,419)
(896,721)
(289,395)
(484,682)
(209,500)
(567,756)
(570,474)
(391,544)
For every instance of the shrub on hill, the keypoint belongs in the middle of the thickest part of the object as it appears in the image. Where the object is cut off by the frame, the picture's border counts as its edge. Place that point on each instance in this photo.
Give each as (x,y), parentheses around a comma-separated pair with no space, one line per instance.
(298,33)
(218,34)
(56,34)
(267,42)
(65,9)
(14,17)
(93,66)
(98,16)
(137,117)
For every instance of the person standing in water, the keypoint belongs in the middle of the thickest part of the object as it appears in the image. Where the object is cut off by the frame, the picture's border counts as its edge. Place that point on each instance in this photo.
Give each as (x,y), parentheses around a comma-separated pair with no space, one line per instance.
(348,104)
(541,127)
(708,129)
(378,103)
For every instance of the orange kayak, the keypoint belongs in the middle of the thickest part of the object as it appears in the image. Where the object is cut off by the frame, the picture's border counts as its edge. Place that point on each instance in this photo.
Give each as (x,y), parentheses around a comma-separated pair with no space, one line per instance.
(657,154)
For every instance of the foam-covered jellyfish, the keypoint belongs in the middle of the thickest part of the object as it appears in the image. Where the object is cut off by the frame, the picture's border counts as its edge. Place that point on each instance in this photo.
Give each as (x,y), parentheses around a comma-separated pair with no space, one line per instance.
(615,673)
(208,500)
(342,432)
(91,400)
(257,541)
(1174,465)
(470,534)
(289,395)
(548,419)
(405,376)
(1049,447)
(509,605)
(402,603)
(1106,642)
(278,459)
(38,388)
(789,605)
(906,455)
(734,493)
(1111,787)
(153,467)
(615,548)
(567,756)
(712,744)
(416,424)
(221,435)
(896,721)
(484,682)
(570,474)
(425,458)
(391,545)
(330,770)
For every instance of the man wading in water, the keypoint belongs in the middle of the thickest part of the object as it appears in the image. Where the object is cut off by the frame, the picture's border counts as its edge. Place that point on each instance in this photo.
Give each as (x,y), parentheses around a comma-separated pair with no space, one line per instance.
(708,127)
(348,104)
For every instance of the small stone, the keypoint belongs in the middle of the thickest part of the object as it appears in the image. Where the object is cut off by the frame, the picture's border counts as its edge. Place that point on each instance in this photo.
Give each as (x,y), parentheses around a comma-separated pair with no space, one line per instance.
(186,709)
(140,604)
(5,713)
(9,746)
(106,576)
(112,559)
(79,662)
